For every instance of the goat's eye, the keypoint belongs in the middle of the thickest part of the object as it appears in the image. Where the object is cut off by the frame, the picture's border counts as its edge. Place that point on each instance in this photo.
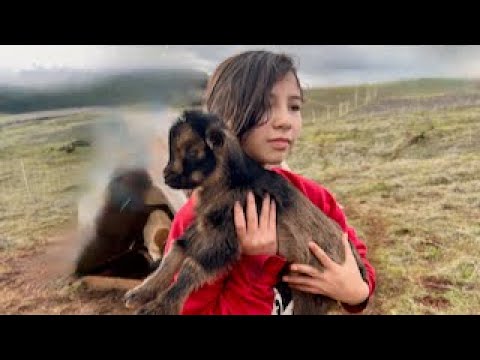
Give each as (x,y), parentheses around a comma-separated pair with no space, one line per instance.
(192,153)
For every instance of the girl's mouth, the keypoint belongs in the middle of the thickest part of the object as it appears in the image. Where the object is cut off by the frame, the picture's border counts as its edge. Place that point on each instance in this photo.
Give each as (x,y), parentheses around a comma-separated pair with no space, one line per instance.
(279,143)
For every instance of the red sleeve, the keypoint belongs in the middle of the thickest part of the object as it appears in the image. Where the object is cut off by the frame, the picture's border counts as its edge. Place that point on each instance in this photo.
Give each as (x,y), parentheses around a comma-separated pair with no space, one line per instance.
(247,289)
(324,200)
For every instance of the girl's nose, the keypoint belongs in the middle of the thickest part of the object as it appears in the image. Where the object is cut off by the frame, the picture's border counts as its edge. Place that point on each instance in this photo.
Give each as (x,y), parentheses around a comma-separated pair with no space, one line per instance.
(281,119)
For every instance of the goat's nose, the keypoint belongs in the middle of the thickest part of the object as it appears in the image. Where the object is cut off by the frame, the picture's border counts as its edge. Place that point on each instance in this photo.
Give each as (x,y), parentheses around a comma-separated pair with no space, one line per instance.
(166,170)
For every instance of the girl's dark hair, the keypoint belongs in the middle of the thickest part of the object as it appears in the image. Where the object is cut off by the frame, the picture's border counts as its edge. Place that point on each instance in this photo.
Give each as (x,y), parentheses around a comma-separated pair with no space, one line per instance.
(239,88)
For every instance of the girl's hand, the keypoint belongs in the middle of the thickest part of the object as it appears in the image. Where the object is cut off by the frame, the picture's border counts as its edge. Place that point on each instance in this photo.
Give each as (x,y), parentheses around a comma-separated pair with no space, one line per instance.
(256,236)
(343,283)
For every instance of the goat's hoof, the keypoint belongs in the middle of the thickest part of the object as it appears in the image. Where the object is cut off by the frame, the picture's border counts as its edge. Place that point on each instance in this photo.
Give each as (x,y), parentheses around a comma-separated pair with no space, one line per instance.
(138,296)
(157,307)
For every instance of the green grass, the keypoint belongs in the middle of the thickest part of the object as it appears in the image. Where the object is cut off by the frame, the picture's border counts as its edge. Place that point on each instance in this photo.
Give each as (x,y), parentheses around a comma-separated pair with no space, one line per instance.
(39,182)
(424,190)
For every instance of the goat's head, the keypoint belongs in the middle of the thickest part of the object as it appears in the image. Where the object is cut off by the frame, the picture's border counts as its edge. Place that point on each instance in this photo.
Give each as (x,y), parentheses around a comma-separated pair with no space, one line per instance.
(196,147)
(126,189)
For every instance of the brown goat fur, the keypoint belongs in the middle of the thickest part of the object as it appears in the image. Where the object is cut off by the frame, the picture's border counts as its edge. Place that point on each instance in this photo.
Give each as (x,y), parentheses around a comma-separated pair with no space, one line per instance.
(116,245)
(205,155)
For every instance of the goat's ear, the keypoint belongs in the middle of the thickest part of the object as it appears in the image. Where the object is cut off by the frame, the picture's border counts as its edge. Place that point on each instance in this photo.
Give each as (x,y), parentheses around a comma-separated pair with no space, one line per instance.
(215,138)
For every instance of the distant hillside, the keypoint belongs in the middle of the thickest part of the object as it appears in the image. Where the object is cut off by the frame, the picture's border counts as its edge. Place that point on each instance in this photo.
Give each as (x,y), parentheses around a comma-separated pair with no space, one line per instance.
(412,87)
(430,86)
(160,86)
(318,99)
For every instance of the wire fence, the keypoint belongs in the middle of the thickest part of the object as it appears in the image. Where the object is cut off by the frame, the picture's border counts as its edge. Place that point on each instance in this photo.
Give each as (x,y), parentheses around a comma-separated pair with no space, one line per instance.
(35,197)
(359,98)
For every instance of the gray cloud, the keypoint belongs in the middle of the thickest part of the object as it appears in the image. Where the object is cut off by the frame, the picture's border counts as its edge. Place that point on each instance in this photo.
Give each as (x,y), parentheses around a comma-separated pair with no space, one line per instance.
(318,64)
(325,64)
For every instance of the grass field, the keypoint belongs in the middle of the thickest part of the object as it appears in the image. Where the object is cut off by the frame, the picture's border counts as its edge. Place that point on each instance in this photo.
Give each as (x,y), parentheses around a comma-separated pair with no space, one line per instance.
(405,165)
(408,177)
(40,183)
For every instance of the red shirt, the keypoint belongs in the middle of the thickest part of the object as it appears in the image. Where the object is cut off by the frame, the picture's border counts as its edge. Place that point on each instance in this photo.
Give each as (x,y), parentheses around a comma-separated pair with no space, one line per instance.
(248,288)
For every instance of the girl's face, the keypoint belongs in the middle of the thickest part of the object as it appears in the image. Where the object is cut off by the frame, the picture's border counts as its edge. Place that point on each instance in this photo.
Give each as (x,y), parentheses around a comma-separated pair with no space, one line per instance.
(270,143)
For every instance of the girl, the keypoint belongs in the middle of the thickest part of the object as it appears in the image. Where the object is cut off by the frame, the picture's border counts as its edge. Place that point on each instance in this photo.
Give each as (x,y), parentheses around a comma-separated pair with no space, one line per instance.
(258,95)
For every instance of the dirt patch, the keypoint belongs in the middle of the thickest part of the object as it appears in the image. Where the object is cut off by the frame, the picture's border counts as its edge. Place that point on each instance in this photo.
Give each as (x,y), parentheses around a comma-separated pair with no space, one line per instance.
(436,283)
(375,230)
(39,281)
(438,302)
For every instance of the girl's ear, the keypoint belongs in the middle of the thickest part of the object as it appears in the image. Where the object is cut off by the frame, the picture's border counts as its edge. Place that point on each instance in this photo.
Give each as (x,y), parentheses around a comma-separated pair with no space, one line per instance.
(215,138)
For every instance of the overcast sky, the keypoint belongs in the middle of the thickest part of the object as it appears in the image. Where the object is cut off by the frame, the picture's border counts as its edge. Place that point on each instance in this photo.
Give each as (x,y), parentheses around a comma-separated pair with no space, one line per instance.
(318,64)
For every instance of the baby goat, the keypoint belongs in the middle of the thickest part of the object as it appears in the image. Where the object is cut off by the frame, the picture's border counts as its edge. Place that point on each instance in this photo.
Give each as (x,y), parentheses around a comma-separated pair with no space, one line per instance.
(205,155)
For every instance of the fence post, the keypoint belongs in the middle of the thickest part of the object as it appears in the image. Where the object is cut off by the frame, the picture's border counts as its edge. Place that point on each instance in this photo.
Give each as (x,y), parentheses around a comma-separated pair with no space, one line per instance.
(25,178)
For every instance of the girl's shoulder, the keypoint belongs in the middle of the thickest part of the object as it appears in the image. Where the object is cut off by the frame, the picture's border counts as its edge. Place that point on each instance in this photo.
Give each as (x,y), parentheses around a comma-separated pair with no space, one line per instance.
(300,181)
(313,190)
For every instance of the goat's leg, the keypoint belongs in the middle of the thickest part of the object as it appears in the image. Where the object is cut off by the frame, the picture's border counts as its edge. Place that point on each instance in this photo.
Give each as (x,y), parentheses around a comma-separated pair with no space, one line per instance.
(192,275)
(158,281)
(200,267)
(310,304)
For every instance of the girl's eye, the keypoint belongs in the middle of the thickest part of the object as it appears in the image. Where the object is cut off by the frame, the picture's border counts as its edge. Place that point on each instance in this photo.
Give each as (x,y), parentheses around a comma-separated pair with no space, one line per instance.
(295,107)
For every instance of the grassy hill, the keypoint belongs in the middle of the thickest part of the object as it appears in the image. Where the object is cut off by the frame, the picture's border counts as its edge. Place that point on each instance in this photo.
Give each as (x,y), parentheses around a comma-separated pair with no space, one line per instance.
(408,177)
(404,165)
